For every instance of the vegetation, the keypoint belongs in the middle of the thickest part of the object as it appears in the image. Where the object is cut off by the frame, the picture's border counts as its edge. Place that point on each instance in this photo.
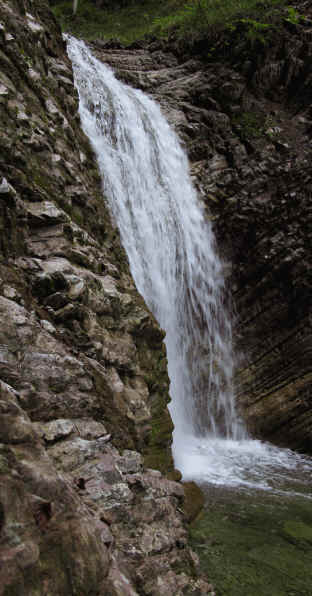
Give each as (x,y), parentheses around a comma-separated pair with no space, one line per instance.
(131,21)
(127,23)
(199,16)
(255,543)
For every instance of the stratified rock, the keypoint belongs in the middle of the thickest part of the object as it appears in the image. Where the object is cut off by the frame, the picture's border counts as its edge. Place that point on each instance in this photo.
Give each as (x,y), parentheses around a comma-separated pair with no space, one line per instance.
(83,376)
(244,116)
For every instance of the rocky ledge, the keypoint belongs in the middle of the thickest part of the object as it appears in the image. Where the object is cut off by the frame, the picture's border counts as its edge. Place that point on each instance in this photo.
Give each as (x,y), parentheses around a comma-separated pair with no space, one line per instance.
(83,370)
(243,111)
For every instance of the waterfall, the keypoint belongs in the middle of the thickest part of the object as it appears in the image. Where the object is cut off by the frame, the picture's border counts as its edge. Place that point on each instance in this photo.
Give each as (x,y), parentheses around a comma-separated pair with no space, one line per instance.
(174,263)
(169,242)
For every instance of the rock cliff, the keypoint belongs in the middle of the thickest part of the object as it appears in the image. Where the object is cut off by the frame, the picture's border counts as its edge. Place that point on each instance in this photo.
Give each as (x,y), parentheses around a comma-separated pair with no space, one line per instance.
(83,375)
(243,111)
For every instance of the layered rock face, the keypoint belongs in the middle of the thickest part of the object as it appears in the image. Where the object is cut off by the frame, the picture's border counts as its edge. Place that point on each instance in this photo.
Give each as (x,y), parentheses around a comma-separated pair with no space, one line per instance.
(243,112)
(83,372)
(83,381)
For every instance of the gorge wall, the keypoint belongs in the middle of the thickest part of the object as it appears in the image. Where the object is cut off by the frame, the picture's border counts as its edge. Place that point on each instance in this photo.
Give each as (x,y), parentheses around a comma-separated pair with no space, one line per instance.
(84,385)
(243,112)
(83,373)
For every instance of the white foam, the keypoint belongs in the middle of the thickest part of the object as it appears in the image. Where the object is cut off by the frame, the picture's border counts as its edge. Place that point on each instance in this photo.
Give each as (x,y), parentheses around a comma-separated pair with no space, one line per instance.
(247,463)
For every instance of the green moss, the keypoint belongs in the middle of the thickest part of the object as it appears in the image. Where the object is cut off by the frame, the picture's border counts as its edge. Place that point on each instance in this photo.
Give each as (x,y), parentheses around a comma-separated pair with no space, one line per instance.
(41,180)
(298,531)
(249,125)
(194,500)
(255,544)
(157,453)
(4,464)
(159,459)
(77,215)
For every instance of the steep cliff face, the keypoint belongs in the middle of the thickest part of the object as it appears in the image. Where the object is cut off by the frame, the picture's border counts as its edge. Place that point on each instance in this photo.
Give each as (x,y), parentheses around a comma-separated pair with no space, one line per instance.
(83,381)
(243,111)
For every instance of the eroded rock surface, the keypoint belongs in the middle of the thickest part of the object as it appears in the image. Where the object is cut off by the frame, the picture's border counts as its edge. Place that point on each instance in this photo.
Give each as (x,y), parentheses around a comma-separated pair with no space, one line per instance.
(83,372)
(244,114)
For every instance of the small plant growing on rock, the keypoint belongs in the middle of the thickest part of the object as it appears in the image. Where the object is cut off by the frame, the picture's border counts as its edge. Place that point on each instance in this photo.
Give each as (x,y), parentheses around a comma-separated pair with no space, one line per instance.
(255,30)
(293,16)
(249,125)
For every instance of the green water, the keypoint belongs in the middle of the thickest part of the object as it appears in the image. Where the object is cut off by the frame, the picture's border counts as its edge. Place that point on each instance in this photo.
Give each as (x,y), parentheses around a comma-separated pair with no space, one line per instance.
(255,544)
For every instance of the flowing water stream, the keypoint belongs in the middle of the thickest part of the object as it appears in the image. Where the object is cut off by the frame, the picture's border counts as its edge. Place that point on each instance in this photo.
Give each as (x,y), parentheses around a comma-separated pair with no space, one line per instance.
(173,260)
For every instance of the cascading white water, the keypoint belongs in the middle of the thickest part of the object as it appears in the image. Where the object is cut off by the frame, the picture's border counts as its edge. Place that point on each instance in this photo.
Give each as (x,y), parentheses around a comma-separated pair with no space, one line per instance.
(173,260)
(169,243)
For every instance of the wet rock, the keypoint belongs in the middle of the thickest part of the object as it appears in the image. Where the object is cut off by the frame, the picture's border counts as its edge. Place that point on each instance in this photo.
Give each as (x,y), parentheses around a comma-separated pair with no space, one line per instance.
(242,126)
(45,212)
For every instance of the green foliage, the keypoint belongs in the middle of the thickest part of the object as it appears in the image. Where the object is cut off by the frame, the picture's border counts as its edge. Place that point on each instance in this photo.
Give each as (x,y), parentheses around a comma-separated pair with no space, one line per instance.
(249,125)
(256,31)
(127,23)
(190,19)
(293,16)
(200,16)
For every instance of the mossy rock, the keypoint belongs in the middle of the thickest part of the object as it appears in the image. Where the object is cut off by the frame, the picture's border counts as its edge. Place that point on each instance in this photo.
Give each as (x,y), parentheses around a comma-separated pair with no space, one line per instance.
(157,453)
(252,543)
(298,531)
(194,500)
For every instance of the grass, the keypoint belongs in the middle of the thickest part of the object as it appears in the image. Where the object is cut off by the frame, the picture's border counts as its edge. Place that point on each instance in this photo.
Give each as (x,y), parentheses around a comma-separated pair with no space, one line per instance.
(188,18)
(128,24)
